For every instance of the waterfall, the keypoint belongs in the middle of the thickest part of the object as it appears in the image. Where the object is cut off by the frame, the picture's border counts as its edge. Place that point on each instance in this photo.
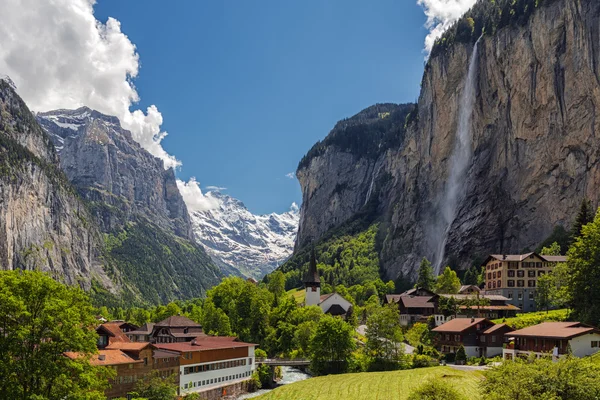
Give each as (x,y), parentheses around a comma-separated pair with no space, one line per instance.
(460,160)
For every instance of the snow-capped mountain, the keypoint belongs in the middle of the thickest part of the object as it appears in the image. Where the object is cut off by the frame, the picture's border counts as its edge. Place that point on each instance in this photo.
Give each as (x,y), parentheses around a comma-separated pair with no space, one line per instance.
(241,242)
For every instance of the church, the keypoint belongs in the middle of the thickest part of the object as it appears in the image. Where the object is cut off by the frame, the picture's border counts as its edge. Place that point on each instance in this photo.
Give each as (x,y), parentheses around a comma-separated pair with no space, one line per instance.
(332,303)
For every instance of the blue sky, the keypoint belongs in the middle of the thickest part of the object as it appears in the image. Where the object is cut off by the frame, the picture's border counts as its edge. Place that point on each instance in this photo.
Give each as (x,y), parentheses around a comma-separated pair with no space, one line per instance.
(247,87)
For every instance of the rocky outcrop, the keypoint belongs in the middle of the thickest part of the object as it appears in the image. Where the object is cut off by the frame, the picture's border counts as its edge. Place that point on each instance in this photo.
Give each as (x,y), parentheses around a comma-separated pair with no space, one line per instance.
(44,225)
(534,137)
(114,173)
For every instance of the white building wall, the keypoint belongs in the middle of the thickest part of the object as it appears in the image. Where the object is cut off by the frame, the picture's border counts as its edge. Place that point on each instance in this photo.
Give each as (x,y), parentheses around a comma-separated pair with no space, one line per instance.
(472,351)
(313,298)
(200,381)
(335,298)
(581,346)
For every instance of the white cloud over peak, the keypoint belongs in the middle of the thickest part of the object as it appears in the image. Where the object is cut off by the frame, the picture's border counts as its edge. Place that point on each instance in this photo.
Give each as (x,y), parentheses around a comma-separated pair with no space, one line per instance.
(60,56)
(215,188)
(441,14)
(194,198)
(290,175)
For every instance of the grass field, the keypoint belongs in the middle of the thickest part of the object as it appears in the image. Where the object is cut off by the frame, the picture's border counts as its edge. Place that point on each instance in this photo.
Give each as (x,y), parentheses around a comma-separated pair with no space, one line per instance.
(528,319)
(298,294)
(395,385)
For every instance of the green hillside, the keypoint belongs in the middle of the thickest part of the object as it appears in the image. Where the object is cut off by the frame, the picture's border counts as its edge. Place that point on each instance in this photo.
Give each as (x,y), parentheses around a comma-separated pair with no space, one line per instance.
(395,385)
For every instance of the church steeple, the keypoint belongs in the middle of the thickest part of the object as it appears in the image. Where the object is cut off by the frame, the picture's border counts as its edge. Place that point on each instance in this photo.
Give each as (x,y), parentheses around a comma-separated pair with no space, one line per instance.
(312,282)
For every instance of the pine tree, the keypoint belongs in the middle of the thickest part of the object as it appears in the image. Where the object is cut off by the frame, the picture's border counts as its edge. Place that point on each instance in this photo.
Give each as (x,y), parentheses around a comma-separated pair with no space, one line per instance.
(425,280)
(584,217)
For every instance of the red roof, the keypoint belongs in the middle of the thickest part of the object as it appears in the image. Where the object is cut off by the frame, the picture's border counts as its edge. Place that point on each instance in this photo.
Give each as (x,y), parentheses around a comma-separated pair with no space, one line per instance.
(106,357)
(204,343)
(458,325)
(114,331)
(555,330)
(495,328)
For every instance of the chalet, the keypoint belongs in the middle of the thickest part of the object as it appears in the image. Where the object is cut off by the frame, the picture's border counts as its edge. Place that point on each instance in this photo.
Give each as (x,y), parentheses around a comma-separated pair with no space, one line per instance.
(490,306)
(142,334)
(515,276)
(469,289)
(175,329)
(211,364)
(332,303)
(416,305)
(553,338)
(479,336)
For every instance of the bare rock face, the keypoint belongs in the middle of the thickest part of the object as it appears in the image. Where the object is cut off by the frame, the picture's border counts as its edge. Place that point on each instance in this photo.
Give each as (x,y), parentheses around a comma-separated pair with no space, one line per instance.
(43,223)
(114,173)
(534,137)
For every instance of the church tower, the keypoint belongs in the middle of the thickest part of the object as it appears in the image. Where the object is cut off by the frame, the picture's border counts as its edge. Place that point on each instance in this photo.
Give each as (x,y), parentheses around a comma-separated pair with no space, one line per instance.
(312,282)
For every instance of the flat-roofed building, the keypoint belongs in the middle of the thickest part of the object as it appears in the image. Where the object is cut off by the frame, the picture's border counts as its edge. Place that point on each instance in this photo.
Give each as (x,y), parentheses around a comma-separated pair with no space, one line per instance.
(210,363)
(515,276)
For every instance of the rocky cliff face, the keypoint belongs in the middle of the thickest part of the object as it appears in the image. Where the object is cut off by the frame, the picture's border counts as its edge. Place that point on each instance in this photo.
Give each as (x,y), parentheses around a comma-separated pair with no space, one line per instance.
(534,135)
(242,243)
(44,225)
(113,172)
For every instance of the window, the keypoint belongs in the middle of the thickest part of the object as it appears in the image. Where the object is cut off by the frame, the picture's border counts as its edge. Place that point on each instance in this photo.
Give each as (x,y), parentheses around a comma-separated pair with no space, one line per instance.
(594,344)
(510,296)
(531,274)
(538,265)
(530,283)
(457,338)
(102,341)
(520,283)
(145,360)
(494,339)
(520,296)
(482,339)
(511,283)
(520,274)
(494,275)
(499,283)
(511,274)
(531,295)
(499,274)
(489,275)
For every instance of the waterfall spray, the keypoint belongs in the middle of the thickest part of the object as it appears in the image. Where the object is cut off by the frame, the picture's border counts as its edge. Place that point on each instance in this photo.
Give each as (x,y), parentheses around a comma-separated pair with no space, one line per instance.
(460,160)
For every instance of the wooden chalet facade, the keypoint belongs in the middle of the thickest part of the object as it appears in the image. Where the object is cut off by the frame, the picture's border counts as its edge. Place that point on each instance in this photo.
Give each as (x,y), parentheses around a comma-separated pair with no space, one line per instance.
(479,336)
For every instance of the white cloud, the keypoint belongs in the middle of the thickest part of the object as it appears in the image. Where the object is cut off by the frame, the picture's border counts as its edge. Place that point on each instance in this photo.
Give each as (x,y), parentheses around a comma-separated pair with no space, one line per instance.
(441,14)
(216,188)
(194,198)
(290,175)
(60,56)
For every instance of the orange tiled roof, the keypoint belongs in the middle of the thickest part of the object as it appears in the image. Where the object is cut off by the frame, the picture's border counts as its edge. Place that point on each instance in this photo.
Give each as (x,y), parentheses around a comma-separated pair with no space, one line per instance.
(128,346)
(116,334)
(106,357)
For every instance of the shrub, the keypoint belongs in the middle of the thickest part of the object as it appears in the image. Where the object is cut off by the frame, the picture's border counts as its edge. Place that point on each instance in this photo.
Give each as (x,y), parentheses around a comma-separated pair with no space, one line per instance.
(435,390)
(422,361)
(461,355)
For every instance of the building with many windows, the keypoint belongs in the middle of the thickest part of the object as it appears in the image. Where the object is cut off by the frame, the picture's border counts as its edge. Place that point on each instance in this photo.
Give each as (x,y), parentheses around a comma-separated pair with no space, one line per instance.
(210,363)
(515,276)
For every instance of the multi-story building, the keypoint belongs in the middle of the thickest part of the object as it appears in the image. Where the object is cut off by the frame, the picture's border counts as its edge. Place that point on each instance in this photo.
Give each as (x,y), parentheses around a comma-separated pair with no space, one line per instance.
(479,336)
(212,363)
(515,276)
(554,339)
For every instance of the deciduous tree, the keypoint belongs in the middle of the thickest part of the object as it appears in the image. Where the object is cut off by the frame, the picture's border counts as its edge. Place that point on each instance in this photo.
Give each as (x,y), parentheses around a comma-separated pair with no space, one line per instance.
(447,282)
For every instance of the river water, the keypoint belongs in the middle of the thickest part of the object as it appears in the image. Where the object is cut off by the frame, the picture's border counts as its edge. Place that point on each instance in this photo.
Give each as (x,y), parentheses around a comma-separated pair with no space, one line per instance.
(290,375)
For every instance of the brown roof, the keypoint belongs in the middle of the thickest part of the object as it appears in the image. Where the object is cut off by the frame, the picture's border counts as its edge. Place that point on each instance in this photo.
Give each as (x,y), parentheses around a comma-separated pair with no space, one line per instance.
(521,257)
(557,330)
(495,328)
(417,301)
(110,357)
(177,321)
(145,329)
(392,298)
(127,346)
(491,297)
(467,287)
(507,307)
(204,343)
(458,324)
(114,331)
(325,297)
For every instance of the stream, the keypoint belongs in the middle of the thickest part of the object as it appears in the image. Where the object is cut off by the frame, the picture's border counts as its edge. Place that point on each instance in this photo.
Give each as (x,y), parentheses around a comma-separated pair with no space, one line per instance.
(290,375)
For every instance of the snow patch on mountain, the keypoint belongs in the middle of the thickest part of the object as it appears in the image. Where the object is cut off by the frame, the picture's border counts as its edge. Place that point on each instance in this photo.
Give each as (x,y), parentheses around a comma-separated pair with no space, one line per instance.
(242,243)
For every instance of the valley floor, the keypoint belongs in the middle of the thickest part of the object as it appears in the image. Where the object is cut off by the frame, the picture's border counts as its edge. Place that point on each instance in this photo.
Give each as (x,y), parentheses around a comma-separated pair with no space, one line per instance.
(395,385)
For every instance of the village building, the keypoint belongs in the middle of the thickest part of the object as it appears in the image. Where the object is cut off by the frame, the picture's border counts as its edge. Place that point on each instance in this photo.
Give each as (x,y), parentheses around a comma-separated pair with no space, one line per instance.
(219,364)
(479,336)
(175,329)
(554,339)
(141,334)
(469,289)
(332,303)
(419,304)
(515,276)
